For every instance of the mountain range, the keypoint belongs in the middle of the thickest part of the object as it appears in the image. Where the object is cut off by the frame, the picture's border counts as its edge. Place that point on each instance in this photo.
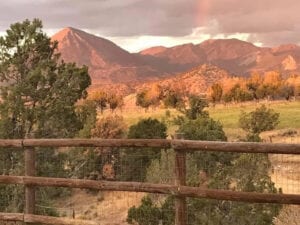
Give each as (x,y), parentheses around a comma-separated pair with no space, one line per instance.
(110,64)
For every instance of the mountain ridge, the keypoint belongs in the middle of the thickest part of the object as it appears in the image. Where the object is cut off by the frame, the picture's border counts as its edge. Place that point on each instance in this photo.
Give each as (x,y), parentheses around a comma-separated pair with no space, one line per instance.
(236,56)
(107,62)
(110,64)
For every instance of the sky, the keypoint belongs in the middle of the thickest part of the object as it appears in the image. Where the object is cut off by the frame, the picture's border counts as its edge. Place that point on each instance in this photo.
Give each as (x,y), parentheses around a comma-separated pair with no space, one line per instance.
(139,24)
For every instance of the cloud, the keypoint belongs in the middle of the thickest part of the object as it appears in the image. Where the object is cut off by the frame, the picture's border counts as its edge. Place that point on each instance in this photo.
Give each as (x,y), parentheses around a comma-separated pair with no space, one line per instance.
(109,17)
(267,21)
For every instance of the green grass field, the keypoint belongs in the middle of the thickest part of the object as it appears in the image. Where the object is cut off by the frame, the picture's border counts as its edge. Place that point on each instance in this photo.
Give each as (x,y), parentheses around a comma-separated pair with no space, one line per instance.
(228,115)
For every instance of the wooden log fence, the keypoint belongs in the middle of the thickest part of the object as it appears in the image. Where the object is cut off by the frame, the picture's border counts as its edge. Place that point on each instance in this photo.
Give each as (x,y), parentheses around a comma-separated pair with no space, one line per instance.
(30,170)
(175,190)
(180,180)
(37,219)
(179,189)
(180,145)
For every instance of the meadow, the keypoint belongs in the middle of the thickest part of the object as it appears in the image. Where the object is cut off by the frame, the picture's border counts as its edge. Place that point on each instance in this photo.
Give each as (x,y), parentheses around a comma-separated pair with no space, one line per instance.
(228,114)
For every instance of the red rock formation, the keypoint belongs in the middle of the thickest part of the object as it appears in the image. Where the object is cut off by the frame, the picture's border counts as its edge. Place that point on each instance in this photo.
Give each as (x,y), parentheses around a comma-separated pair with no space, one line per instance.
(109,64)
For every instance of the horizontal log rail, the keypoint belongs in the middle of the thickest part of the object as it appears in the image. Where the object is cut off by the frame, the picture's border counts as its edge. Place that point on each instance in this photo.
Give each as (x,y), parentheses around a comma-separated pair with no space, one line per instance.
(238,147)
(19,143)
(183,191)
(11,216)
(30,218)
(181,145)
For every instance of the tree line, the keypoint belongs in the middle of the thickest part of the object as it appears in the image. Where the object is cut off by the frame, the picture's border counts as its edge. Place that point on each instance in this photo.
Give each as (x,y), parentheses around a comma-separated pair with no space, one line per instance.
(268,86)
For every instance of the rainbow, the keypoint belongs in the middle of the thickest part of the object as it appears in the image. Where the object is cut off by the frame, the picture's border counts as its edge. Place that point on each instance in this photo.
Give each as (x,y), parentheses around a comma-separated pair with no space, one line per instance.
(203,11)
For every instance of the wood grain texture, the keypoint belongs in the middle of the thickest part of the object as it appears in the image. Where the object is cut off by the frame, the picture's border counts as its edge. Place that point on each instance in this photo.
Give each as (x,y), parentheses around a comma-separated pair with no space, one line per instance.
(29,189)
(30,218)
(180,180)
(182,145)
(183,191)
(12,216)
(240,147)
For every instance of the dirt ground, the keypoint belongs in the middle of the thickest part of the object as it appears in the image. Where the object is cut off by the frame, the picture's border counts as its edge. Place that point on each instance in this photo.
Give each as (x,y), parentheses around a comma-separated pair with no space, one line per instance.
(109,208)
(285,171)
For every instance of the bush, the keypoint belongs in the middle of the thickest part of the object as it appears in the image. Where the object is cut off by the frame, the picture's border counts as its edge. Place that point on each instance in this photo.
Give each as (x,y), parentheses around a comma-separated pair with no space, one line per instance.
(202,128)
(136,161)
(148,128)
(146,214)
(261,119)
(110,127)
(196,108)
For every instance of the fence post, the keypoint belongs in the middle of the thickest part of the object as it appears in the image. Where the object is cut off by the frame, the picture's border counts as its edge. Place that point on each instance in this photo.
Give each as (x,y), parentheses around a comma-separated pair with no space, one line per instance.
(29,171)
(180,178)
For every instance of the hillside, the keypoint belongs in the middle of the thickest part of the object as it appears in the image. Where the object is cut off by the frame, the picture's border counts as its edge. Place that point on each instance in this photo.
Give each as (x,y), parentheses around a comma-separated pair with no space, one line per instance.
(195,81)
(107,62)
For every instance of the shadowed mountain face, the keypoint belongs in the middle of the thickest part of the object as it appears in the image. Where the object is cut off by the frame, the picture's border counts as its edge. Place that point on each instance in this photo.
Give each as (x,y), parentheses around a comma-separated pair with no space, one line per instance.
(110,64)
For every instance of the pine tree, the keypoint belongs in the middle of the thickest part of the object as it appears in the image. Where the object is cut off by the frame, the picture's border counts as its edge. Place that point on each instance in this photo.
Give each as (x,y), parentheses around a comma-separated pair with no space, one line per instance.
(38,94)
(38,91)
